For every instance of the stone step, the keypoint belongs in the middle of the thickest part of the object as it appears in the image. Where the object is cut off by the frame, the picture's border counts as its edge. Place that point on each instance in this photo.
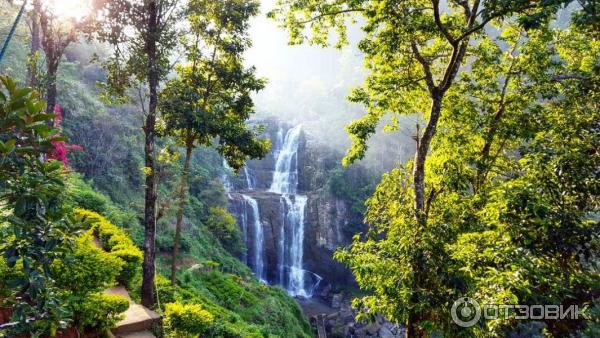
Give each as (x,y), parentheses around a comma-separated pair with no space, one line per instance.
(136,319)
(139,334)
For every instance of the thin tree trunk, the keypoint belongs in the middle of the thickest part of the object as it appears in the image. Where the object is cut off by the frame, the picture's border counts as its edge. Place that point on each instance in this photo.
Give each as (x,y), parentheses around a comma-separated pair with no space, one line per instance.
(411,326)
(148,268)
(36,43)
(189,146)
(420,156)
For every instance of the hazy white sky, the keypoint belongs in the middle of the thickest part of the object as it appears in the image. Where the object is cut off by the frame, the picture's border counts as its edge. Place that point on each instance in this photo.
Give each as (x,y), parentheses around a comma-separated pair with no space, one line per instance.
(298,73)
(309,85)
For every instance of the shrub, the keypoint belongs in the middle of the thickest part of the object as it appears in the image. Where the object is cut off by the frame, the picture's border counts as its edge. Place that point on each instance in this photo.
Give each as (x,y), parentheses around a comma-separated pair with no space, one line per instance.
(224,226)
(115,241)
(6,275)
(234,330)
(165,291)
(85,197)
(100,311)
(191,320)
(89,269)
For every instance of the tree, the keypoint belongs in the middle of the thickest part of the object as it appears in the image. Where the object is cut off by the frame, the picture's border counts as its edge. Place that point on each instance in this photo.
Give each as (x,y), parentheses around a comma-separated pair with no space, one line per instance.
(416,51)
(209,102)
(143,37)
(36,42)
(57,33)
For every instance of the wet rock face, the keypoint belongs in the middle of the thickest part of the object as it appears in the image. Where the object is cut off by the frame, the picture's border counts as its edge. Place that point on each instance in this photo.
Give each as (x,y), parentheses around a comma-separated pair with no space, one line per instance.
(327,218)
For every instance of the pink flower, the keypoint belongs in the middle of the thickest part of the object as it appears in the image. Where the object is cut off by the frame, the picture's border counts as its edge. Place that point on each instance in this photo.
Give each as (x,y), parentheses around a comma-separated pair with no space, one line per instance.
(61,148)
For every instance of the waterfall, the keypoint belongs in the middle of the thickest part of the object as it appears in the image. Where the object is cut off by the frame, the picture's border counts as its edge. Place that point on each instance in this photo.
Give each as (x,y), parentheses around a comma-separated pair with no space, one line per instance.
(285,177)
(293,209)
(225,177)
(244,223)
(258,264)
(295,219)
(289,247)
(250,181)
(281,262)
(278,143)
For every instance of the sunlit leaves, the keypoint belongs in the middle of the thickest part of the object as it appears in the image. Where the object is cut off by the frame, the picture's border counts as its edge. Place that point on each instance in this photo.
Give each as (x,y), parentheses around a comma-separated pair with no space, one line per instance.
(210,99)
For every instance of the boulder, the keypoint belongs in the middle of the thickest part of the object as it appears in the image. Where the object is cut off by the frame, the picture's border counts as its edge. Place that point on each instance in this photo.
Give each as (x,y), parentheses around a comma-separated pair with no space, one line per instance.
(336,301)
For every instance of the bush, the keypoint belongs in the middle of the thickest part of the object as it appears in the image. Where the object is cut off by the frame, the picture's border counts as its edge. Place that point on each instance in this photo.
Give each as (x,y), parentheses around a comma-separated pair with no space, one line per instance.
(100,311)
(85,197)
(234,330)
(115,241)
(187,320)
(165,291)
(6,276)
(89,269)
(223,225)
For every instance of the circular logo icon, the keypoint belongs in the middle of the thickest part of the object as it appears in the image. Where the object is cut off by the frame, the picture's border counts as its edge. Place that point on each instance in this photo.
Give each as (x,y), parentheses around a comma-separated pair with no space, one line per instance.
(466,312)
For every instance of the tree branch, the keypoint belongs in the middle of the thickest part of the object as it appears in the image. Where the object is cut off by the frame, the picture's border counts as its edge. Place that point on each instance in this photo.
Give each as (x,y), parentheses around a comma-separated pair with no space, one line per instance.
(426,68)
(438,22)
(322,15)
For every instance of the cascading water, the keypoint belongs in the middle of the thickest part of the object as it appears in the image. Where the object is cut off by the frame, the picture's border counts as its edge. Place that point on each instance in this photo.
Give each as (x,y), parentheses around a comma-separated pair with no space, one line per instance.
(257,256)
(278,143)
(289,248)
(250,181)
(285,182)
(225,177)
(295,218)
(285,177)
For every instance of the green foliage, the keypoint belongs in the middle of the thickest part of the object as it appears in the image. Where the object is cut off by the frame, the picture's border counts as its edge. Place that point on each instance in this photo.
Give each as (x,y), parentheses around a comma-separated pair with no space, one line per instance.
(83,196)
(187,320)
(89,268)
(164,241)
(115,241)
(512,190)
(34,226)
(86,198)
(224,226)
(352,184)
(495,205)
(225,287)
(100,311)
(211,97)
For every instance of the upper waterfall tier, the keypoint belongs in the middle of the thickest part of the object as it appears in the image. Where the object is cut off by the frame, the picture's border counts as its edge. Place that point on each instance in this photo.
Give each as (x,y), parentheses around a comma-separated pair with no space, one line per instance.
(285,177)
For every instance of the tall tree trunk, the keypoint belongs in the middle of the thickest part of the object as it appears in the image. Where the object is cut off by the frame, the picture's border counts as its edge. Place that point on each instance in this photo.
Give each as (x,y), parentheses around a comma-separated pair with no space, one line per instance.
(36,42)
(148,269)
(51,91)
(189,146)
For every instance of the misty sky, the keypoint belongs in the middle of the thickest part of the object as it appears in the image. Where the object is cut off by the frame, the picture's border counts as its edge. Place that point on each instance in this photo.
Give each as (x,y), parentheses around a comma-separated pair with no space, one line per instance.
(309,85)
(298,76)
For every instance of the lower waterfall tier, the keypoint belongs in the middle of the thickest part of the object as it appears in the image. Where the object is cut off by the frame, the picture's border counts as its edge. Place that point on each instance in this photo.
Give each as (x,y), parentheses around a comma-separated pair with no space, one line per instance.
(294,239)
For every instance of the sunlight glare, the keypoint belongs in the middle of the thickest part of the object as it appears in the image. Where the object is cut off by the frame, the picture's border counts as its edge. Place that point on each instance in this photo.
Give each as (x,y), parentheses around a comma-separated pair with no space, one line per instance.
(69,9)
